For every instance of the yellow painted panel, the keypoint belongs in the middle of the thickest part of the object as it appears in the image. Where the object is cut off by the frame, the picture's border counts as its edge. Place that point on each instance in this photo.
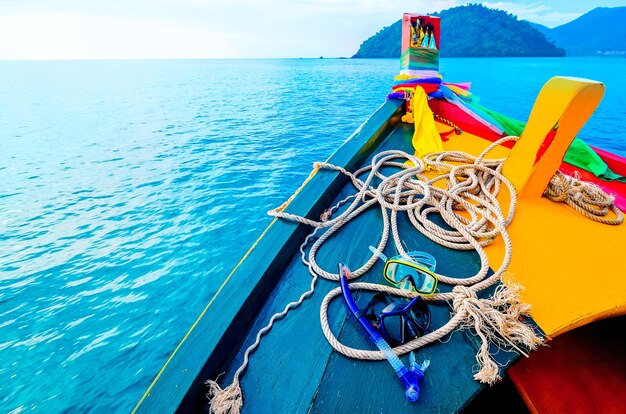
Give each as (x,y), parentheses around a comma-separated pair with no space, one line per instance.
(572,268)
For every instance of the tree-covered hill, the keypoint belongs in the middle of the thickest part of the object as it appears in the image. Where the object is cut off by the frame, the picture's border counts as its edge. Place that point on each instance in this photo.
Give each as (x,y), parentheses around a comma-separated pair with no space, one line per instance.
(470,31)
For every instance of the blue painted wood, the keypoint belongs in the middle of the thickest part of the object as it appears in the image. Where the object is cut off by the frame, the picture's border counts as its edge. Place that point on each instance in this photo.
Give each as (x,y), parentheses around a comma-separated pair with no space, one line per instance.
(295,370)
(208,345)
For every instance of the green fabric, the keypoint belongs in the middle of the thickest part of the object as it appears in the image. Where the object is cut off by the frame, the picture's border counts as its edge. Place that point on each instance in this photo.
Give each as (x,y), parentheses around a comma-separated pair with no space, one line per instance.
(510,126)
(579,154)
(583,156)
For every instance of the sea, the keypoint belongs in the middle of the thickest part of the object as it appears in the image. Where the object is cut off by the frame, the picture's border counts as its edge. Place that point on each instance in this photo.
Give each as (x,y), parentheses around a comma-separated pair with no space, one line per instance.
(130,189)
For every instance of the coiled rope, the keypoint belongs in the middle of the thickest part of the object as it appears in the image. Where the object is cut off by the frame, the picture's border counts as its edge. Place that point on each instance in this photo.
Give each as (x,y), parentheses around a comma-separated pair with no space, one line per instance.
(586,198)
(464,184)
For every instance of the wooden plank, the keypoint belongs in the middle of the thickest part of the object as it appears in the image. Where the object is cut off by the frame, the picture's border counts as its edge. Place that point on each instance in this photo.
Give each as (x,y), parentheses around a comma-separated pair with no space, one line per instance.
(372,387)
(563,102)
(221,325)
(549,239)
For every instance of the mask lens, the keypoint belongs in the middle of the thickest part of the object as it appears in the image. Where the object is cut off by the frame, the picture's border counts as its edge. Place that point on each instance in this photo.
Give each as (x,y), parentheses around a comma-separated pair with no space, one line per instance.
(390,272)
(396,272)
(410,278)
(424,282)
(394,328)
(401,324)
(394,320)
(406,285)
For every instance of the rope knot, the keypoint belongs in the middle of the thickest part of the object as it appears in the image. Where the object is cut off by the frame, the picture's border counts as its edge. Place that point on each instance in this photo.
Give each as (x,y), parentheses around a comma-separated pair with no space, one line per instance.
(463,294)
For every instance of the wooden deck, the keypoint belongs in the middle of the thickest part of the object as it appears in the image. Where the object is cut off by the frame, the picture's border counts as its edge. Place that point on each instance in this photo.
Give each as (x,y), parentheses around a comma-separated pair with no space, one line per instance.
(295,370)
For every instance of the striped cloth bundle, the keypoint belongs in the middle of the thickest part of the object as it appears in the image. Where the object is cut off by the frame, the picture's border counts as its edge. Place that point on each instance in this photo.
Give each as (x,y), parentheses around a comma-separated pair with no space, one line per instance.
(420,58)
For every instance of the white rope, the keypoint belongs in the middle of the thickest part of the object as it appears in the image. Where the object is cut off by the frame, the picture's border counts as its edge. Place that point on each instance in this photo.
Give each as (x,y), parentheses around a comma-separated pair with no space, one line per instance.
(471,187)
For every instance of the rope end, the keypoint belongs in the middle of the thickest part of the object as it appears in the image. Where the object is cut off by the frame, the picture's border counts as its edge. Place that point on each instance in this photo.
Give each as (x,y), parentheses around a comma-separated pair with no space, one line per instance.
(227,400)
(496,320)
(489,373)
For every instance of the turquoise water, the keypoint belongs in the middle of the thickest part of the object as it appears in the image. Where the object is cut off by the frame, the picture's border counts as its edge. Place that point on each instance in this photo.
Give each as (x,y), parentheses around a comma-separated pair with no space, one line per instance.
(128,190)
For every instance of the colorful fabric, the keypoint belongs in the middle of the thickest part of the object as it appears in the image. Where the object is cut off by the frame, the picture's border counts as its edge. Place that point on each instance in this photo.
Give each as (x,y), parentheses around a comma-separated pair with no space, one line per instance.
(428,84)
(416,81)
(464,104)
(461,89)
(409,73)
(462,119)
(583,156)
(475,116)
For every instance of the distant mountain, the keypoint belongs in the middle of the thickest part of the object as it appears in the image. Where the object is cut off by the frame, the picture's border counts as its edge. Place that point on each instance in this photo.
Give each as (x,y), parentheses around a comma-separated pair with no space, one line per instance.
(600,31)
(470,31)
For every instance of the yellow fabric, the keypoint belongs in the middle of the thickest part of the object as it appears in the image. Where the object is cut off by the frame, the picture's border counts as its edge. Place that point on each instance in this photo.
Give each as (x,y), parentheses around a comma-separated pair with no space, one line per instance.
(426,139)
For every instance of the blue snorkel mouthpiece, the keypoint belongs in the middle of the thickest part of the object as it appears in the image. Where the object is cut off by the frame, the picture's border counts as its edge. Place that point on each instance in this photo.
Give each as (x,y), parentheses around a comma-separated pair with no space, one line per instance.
(411,378)
(416,374)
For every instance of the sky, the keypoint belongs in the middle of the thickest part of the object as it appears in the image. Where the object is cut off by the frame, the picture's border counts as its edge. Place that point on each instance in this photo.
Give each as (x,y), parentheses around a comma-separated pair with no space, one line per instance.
(195,29)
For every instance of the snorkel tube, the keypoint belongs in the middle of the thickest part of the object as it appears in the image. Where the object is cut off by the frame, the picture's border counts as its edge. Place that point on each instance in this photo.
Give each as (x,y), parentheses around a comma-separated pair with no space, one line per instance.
(411,378)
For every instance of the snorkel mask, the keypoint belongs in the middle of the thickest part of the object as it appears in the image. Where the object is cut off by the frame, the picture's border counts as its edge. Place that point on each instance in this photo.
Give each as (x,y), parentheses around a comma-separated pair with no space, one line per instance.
(414,273)
(398,321)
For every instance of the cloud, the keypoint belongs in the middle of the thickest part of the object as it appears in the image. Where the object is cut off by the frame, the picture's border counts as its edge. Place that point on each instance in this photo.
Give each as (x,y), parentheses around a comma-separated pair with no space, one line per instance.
(73,29)
(77,36)
(534,12)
